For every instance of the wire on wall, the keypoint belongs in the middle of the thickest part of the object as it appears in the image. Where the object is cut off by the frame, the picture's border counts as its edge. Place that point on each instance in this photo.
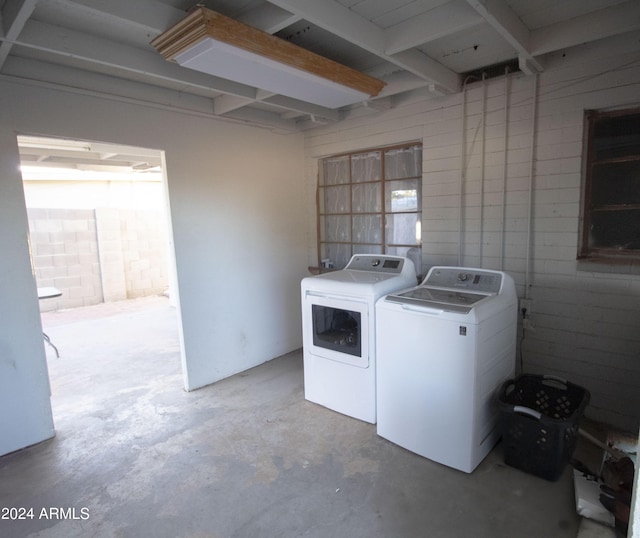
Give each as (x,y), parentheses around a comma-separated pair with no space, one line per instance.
(463,142)
(463,165)
(504,168)
(532,156)
(482,167)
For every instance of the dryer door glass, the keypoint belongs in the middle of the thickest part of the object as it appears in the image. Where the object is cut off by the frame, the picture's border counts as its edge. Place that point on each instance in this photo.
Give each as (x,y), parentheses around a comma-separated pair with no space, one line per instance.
(337,329)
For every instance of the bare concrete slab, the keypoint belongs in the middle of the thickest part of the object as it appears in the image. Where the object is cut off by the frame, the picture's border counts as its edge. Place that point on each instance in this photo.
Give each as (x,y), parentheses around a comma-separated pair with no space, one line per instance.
(136,455)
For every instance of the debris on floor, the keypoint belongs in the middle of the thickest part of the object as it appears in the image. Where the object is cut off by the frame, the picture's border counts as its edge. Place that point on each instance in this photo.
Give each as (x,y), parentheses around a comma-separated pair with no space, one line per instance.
(587,490)
(604,495)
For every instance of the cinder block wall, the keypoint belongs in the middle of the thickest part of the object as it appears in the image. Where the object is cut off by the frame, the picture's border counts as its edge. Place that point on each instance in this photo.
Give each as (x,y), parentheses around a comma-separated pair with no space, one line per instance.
(95,256)
(64,251)
(144,252)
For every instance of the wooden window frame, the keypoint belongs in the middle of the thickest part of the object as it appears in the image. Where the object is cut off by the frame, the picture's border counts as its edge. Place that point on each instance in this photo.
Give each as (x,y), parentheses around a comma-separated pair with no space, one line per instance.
(587,251)
(383,212)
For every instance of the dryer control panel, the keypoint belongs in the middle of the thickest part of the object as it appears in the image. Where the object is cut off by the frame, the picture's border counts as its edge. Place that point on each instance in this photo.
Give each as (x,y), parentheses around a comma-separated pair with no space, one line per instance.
(476,280)
(376,263)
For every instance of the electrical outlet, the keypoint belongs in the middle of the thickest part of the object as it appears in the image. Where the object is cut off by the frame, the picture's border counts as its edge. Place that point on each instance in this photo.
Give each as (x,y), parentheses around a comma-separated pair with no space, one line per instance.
(528,325)
(526,305)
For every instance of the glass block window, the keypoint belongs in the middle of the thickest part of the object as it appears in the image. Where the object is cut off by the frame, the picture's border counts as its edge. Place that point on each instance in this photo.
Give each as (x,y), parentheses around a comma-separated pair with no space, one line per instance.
(369,202)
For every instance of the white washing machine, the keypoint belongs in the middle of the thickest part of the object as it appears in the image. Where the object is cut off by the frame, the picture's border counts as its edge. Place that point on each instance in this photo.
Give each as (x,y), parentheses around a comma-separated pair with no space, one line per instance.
(338,331)
(443,350)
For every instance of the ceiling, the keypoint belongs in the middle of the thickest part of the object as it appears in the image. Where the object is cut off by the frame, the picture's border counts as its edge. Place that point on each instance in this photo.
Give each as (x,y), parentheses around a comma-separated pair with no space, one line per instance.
(426,46)
(48,158)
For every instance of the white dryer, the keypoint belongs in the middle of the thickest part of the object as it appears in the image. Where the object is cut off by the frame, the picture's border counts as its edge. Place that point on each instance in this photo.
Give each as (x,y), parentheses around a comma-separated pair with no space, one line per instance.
(338,331)
(443,350)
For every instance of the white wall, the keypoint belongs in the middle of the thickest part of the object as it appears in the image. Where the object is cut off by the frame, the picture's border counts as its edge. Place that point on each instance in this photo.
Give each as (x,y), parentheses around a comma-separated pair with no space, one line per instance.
(25,410)
(238,218)
(587,322)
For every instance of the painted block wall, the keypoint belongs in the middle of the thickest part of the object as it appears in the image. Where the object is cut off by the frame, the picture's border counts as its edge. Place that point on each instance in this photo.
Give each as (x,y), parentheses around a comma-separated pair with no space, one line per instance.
(523,215)
(144,247)
(64,253)
(96,255)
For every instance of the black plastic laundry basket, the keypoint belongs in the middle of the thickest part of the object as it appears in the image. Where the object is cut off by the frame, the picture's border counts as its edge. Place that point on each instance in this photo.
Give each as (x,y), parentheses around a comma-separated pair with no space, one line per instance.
(539,422)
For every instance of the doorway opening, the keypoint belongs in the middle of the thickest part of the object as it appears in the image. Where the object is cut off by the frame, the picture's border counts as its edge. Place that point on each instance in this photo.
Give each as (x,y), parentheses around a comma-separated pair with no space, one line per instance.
(100,238)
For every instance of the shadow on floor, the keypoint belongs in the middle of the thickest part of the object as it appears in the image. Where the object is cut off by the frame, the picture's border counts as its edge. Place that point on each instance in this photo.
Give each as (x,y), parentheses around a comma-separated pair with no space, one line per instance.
(245,457)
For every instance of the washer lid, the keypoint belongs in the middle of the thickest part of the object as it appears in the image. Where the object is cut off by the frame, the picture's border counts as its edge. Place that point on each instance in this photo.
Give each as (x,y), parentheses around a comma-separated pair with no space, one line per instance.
(440,299)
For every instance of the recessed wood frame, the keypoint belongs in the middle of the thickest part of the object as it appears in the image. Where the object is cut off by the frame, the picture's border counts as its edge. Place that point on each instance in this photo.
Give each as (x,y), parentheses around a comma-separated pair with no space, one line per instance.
(204,23)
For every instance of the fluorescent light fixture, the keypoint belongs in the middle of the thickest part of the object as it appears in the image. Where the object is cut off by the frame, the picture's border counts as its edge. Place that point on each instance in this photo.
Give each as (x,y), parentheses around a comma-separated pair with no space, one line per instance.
(211,43)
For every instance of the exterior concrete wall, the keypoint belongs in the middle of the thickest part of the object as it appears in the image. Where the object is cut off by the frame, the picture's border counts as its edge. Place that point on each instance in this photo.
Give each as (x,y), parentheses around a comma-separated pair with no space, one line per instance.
(109,240)
(584,319)
(92,256)
(144,249)
(64,252)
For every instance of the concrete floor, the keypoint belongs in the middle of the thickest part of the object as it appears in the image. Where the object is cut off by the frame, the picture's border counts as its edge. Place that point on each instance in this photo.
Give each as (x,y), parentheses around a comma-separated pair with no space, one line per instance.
(246,457)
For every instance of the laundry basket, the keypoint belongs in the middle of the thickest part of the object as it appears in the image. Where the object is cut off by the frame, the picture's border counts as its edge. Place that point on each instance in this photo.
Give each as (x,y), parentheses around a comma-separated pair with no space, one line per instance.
(539,421)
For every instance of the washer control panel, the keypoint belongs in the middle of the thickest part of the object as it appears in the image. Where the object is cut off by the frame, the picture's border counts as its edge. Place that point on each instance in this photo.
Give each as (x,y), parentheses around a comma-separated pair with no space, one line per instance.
(478,280)
(376,263)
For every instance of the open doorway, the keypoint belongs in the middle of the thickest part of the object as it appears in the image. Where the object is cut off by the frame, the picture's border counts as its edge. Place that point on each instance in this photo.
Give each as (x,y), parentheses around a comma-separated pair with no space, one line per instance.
(101,248)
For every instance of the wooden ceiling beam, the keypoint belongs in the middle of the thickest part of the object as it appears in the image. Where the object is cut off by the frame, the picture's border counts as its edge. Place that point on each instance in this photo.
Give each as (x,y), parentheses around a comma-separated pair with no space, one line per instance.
(268,18)
(509,26)
(13,16)
(344,23)
(441,21)
(600,24)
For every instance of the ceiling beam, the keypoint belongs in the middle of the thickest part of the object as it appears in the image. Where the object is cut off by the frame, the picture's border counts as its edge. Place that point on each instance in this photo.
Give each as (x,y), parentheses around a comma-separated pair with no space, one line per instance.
(268,18)
(509,26)
(155,17)
(13,16)
(100,54)
(290,107)
(290,104)
(340,21)
(264,119)
(441,21)
(600,24)
(84,82)
(419,64)
(151,15)
(401,82)
(226,103)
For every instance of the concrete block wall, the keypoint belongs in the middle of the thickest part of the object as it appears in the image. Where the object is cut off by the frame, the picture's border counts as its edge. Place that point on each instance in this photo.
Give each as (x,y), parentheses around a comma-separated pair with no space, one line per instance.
(64,251)
(491,208)
(144,252)
(99,255)
(110,254)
